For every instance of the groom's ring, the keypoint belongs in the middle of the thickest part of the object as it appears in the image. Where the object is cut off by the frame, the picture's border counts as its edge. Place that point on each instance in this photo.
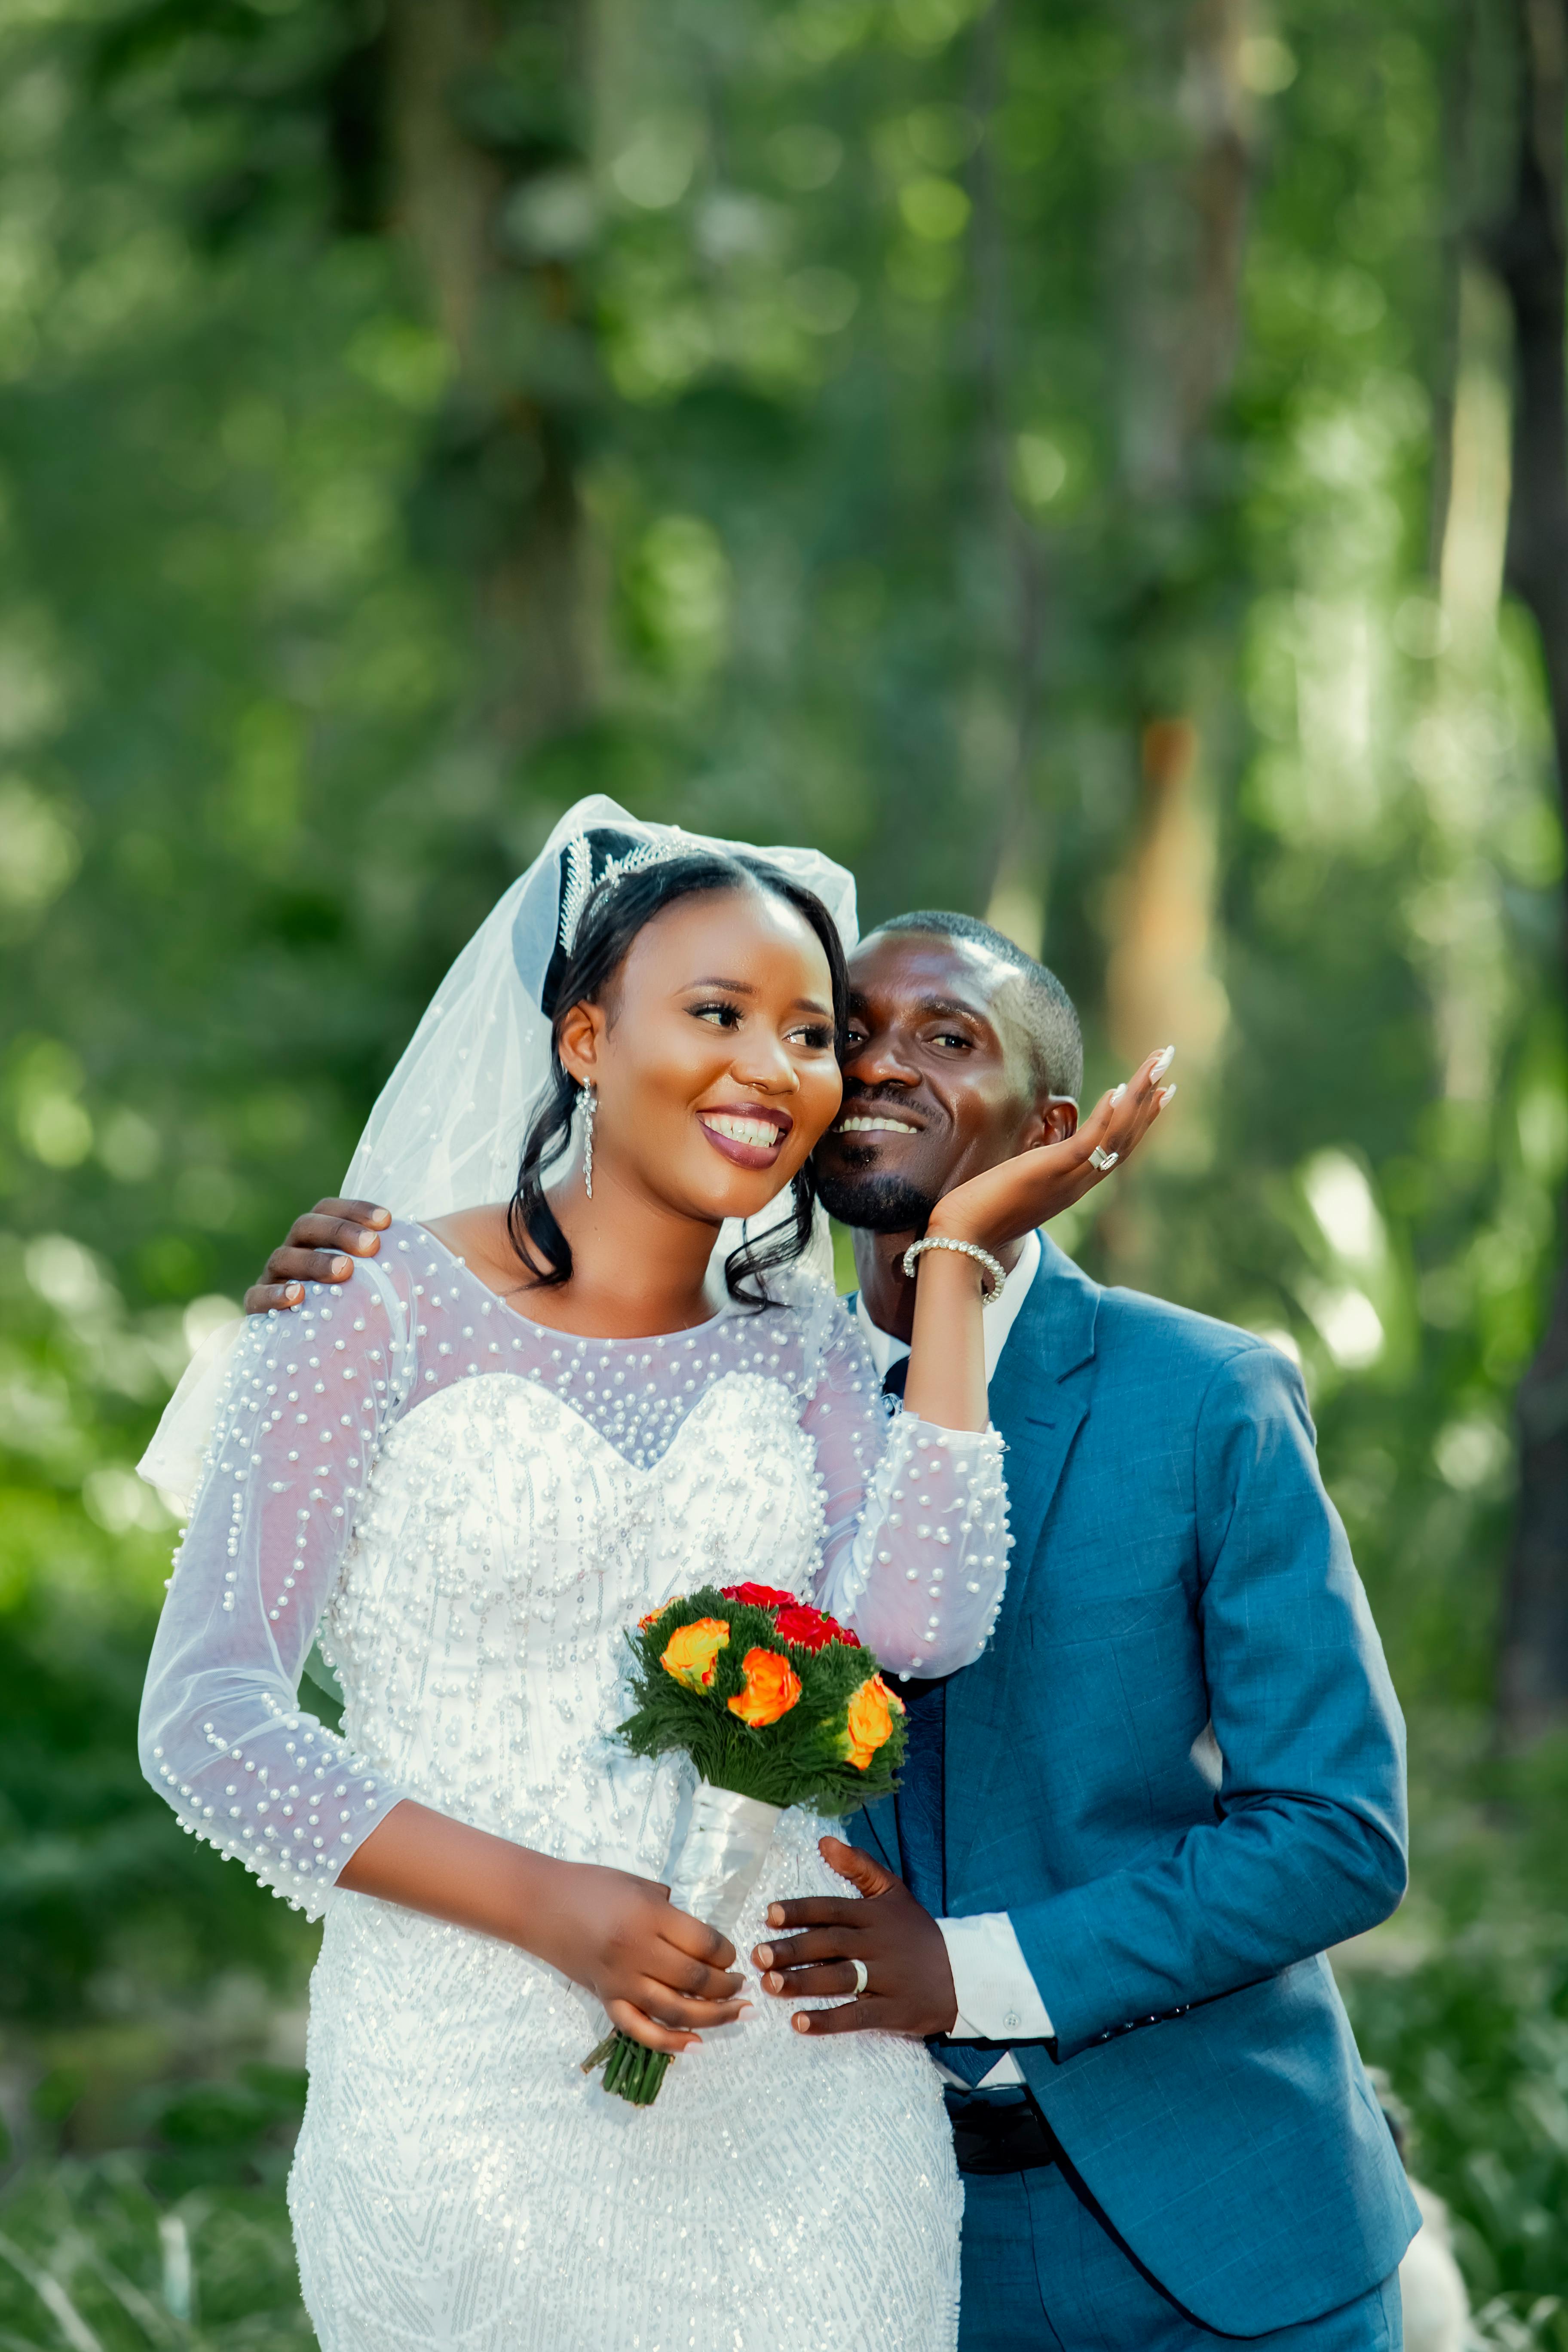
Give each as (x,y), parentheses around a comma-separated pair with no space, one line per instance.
(1101,1159)
(859,1968)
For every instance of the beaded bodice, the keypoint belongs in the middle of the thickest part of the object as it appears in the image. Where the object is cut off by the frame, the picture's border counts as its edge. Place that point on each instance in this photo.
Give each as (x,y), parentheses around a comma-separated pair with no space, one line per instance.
(471,1509)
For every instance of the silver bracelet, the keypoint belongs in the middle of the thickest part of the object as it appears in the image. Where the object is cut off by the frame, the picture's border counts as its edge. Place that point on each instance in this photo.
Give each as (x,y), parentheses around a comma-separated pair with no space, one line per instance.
(983,1259)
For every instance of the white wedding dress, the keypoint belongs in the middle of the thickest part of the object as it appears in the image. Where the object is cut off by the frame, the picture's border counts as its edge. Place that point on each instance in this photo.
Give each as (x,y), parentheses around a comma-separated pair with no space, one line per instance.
(471,1509)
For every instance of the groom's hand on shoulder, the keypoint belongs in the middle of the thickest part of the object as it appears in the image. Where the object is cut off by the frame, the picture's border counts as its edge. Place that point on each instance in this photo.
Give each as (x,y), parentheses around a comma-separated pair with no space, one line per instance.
(315,1252)
(908,1984)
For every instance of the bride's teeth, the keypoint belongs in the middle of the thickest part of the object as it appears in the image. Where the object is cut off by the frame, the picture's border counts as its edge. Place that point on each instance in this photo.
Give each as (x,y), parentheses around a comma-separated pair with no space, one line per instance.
(760,1132)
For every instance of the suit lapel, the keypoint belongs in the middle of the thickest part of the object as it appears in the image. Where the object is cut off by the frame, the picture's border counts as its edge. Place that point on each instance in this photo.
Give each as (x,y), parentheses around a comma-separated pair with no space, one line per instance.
(1039,1398)
(1040,1395)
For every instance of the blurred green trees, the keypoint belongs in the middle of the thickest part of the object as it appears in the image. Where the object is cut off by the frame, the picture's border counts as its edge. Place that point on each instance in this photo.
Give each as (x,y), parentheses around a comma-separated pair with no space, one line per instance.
(1057,459)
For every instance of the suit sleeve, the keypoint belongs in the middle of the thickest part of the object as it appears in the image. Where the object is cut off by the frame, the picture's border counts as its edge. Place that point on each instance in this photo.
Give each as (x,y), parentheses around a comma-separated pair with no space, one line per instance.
(1308,1845)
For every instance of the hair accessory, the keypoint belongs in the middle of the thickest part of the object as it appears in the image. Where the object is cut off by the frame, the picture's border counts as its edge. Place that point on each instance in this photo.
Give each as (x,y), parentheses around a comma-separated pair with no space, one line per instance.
(580,882)
(590,1112)
(983,1259)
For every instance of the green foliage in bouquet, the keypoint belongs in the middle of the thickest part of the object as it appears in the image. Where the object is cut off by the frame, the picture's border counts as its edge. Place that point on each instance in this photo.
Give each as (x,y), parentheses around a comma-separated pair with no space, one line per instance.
(769,1697)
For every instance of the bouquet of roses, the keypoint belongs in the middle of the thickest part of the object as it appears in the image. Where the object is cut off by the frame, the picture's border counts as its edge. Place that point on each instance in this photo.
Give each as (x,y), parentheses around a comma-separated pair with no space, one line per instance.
(776,1703)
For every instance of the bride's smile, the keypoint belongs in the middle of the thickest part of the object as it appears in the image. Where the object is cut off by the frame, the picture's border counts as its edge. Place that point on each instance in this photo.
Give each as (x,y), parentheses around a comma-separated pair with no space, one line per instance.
(751,1138)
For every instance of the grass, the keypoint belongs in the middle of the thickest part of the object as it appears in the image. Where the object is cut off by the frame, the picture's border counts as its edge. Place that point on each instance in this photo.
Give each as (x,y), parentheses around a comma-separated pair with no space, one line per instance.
(180,2246)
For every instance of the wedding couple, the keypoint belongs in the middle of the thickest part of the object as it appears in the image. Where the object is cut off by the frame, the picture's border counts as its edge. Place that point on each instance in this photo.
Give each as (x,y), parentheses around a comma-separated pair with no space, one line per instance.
(1154,1764)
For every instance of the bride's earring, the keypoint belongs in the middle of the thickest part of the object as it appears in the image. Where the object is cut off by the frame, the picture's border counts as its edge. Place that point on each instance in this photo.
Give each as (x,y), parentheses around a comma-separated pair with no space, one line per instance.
(590,1111)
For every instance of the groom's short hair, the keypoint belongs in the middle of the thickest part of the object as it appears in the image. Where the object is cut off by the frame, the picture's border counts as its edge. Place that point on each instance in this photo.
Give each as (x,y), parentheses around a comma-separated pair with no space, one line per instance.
(1049,1012)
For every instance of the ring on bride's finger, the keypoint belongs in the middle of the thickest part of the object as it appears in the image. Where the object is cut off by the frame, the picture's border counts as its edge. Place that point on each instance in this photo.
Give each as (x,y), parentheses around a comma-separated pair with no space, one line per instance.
(859,1968)
(1100,1158)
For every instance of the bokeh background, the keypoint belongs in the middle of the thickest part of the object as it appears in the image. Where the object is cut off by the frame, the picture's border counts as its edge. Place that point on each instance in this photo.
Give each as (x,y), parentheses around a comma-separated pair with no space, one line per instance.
(1098,462)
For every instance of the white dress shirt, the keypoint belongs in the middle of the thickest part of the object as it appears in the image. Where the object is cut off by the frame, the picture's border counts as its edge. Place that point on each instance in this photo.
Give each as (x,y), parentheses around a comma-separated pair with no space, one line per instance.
(996,1994)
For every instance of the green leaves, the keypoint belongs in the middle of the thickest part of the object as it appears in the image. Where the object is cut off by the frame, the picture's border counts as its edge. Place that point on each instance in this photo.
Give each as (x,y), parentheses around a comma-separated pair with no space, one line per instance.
(801,1759)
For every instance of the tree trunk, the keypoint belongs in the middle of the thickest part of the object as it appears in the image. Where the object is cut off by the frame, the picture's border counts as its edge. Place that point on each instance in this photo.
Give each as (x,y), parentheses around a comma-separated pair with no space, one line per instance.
(1182,268)
(1527,250)
(1016,888)
(467,146)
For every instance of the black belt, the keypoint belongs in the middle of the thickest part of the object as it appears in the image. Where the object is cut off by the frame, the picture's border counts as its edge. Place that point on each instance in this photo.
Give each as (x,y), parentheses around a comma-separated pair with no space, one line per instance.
(999,2131)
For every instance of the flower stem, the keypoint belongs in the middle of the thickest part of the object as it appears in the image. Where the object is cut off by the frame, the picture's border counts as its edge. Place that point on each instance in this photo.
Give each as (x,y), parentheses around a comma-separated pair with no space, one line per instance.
(632,2071)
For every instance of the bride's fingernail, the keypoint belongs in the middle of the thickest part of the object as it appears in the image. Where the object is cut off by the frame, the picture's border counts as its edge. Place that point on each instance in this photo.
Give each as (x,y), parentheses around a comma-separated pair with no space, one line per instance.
(1162,1064)
(1117,1092)
(1168,1096)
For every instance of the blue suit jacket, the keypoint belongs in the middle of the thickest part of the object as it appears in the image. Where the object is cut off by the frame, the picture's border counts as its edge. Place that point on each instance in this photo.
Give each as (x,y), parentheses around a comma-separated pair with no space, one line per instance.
(1180,1767)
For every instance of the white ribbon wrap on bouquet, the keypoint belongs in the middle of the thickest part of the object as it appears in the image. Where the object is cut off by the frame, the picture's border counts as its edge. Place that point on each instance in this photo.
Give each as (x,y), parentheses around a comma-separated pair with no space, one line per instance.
(721,1858)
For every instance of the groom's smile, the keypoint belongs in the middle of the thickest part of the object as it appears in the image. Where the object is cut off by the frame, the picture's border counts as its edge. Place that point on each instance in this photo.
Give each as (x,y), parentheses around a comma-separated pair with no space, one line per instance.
(870,1125)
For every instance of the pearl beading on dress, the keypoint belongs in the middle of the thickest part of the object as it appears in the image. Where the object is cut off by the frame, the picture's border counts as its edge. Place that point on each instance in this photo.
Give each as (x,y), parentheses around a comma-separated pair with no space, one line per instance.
(482,1558)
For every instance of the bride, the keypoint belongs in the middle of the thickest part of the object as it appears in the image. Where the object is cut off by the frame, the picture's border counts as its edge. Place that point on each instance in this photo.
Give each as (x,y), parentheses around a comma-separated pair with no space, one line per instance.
(466,1473)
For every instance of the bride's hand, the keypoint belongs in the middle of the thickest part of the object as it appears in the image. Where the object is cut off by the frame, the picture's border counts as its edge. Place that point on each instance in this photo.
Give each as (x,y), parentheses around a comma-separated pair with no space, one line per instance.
(659,1973)
(1011,1199)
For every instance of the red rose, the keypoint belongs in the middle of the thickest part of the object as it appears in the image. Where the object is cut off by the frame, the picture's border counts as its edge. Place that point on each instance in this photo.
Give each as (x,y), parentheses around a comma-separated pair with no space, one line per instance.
(758,1596)
(812,1629)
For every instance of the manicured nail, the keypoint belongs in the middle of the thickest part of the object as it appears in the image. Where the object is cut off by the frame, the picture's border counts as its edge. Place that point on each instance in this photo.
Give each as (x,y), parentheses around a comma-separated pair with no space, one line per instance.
(774,1980)
(1162,1064)
(764,1956)
(341,1267)
(1117,1092)
(801,2024)
(776,1915)
(293,1292)
(1168,1096)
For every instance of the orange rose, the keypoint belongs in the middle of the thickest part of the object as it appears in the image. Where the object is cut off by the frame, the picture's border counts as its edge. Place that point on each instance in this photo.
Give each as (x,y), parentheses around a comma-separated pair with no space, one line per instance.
(693,1652)
(772,1688)
(653,1616)
(870,1721)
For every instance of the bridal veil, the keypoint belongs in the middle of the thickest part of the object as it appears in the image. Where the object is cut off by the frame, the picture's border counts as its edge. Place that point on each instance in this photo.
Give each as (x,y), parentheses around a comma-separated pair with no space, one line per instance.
(448,1127)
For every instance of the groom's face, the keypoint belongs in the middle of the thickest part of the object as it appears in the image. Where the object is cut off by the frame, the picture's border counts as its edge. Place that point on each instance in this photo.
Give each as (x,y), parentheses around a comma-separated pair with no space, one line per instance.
(941,1080)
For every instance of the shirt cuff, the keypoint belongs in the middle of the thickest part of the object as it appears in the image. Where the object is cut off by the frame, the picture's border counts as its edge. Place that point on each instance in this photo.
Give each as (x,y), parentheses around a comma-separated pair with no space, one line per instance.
(998,2000)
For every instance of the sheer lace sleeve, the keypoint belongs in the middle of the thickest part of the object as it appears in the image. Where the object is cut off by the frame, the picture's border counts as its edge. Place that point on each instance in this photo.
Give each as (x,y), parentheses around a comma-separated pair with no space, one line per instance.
(916,1548)
(223,1739)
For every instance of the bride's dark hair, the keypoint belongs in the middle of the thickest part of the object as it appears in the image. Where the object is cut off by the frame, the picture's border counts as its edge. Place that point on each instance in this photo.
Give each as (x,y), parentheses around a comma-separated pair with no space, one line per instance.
(617,910)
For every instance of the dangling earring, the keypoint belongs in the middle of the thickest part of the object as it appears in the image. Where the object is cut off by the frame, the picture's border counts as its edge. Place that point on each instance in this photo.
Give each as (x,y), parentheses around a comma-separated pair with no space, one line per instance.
(590,1111)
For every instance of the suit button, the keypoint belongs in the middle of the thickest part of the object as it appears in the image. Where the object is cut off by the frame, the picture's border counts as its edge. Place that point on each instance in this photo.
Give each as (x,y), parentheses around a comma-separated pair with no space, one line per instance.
(1012,2017)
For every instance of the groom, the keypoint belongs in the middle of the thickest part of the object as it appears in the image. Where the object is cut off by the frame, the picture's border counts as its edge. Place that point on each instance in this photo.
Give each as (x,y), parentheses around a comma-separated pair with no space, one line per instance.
(1128,1833)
